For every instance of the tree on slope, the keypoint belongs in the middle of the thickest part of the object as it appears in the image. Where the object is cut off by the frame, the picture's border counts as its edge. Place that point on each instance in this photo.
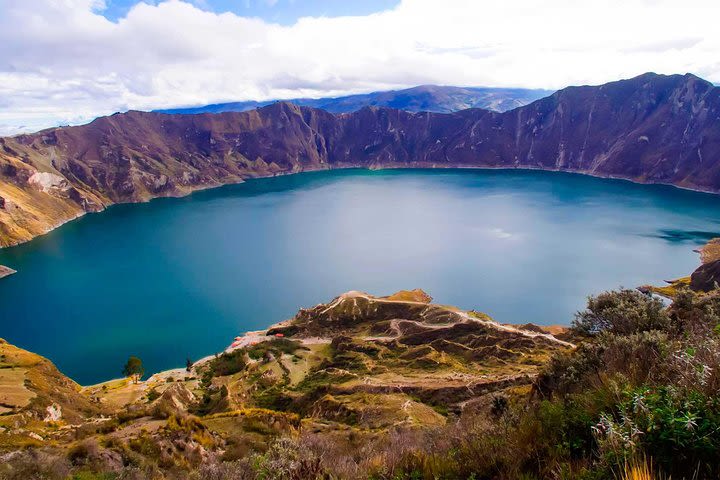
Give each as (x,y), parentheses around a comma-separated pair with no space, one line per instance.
(134,369)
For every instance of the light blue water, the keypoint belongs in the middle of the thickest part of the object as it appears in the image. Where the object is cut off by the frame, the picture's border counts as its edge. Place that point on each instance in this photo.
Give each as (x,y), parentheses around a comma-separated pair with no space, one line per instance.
(181,277)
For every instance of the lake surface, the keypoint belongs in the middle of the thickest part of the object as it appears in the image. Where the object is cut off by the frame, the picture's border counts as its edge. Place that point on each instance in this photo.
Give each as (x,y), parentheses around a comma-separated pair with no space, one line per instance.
(177,278)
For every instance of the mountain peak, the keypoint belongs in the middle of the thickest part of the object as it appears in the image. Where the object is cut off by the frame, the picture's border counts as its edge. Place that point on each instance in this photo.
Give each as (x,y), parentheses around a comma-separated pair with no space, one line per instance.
(675,78)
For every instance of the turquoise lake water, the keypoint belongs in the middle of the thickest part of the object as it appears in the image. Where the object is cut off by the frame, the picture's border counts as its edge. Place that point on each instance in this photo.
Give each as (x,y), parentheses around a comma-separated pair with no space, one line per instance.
(177,278)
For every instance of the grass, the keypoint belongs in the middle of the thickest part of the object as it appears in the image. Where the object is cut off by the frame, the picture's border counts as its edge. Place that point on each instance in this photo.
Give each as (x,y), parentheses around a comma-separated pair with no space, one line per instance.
(277,346)
(416,295)
(480,316)
(252,420)
(233,362)
(12,389)
(672,289)
(639,469)
(321,379)
(256,412)
(228,363)
(299,366)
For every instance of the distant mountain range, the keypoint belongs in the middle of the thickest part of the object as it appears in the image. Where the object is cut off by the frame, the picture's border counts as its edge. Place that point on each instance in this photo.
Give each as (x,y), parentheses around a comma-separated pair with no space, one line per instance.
(425,98)
(650,129)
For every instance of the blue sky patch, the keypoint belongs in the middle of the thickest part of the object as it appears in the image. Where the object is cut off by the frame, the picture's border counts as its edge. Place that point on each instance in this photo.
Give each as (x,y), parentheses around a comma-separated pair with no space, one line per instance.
(284,12)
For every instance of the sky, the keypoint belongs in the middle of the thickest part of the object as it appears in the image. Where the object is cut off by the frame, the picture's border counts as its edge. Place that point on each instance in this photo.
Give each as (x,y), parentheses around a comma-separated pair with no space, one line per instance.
(283,12)
(68,61)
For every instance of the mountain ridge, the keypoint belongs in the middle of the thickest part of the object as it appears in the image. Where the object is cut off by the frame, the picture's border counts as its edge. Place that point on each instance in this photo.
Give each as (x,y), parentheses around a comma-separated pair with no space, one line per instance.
(649,129)
(433,98)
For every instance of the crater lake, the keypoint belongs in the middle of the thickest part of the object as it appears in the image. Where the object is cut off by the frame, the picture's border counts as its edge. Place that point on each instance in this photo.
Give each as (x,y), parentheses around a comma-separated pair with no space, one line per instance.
(181,277)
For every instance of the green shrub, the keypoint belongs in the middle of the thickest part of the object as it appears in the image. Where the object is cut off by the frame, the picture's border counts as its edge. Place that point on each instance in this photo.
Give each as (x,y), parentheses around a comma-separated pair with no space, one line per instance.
(152,395)
(145,445)
(622,312)
(680,430)
(637,358)
(228,363)
(286,460)
(276,346)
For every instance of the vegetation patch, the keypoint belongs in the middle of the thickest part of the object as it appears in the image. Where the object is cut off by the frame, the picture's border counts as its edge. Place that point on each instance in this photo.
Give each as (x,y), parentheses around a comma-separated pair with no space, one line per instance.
(671,289)
(228,363)
(276,346)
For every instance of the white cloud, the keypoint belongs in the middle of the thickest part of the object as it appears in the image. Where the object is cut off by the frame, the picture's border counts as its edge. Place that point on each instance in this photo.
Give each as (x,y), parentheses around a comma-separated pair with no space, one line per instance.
(61,61)
(500,233)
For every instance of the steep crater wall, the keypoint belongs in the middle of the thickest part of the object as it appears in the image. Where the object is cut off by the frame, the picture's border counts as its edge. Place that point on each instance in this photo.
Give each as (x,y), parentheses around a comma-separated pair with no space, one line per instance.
(650,129)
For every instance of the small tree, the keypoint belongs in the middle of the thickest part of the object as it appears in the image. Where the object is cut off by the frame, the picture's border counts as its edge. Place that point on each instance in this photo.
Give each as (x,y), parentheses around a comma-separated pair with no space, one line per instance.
(134,369)
(188,364)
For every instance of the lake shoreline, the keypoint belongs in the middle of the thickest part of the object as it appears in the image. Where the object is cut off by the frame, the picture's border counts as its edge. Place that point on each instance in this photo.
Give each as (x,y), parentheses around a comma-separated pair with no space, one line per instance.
(430,167)
(234,257)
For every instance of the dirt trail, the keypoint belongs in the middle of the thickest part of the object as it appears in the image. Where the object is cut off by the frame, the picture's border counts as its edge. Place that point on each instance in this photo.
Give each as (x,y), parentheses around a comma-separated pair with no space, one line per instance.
(467,318)
(508,328)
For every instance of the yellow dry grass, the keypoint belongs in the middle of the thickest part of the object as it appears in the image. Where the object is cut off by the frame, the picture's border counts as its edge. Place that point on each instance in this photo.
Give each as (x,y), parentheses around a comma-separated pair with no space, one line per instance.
(306,360)
(639,469)
(117,393)
(13,393)
(416,295)
(31,212)
(711,251)
(673,287)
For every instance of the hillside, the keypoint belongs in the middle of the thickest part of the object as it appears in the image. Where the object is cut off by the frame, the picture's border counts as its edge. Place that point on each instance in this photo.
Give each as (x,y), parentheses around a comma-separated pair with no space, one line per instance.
(393,388)
(358,365)
(33,394)
(650,129)
(424,98)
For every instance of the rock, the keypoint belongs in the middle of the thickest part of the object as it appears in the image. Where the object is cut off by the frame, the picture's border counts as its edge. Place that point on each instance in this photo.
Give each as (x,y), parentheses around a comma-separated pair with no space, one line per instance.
(48,181)
(706,277)
(54,413)
(6,271)
(176,399)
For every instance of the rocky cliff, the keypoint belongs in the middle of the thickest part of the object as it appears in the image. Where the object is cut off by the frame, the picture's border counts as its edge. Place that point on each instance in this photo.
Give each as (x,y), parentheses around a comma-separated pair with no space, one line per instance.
(652,128)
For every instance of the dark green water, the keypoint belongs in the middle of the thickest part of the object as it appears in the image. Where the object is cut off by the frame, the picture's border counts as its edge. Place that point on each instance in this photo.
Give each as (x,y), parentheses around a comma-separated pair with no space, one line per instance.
(181,277)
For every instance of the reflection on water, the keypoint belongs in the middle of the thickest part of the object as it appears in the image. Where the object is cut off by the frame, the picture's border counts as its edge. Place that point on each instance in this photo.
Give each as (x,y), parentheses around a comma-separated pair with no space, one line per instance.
(693,236)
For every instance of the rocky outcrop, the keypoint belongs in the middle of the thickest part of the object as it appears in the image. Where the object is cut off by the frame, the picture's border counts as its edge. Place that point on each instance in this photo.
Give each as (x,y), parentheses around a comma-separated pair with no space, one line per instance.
(175,400)
(6,271)
(404,345)
(651,129)
(411,321)
(706,277)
